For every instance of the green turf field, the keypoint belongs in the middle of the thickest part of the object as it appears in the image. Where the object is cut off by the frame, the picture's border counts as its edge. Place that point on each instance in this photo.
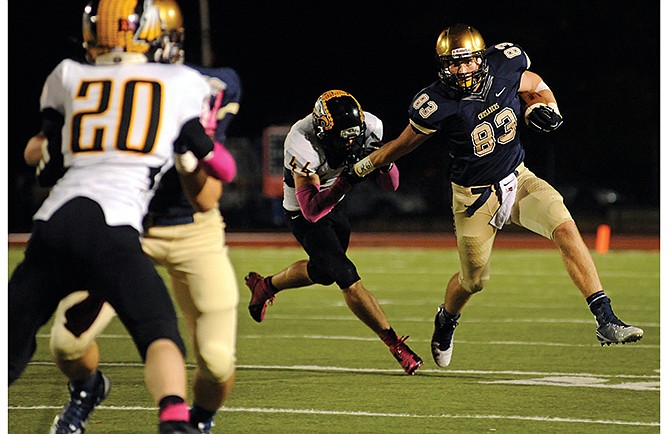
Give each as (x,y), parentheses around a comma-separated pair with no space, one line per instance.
(525,355)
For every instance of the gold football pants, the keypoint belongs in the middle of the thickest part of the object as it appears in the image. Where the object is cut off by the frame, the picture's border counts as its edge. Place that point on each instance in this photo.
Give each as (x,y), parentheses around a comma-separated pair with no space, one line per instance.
(537,207)
(203,283)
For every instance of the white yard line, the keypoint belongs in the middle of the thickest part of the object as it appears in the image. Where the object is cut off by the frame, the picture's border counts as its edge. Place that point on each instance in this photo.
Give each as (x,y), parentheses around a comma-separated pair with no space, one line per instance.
(312,411)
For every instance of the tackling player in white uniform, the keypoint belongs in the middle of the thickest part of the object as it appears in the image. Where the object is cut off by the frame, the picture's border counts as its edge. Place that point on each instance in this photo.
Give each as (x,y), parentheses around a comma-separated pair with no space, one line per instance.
(317,150)
(115,124)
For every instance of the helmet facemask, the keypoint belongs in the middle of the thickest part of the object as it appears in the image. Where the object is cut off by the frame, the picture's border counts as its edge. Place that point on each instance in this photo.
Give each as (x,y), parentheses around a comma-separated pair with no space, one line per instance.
(339,123)
(464,82)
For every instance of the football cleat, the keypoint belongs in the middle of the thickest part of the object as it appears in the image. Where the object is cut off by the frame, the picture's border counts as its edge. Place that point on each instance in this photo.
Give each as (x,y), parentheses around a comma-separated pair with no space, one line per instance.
(407,358)
(177,427)
(205,427)
(618,333)
(75,414)
(611,330)
(442,343)
(260,295)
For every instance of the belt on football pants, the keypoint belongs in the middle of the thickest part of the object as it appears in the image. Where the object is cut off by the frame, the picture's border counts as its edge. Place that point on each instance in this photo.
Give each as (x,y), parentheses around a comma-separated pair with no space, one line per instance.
(484,194)
(167,220)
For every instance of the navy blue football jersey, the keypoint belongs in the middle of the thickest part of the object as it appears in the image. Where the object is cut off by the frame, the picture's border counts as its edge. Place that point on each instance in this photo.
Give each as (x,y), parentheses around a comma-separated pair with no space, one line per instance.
(225,94)
(480,129)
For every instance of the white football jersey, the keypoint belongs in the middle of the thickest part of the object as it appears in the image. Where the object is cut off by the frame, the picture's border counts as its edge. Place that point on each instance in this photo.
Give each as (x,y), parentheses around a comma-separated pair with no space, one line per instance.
(304,155)
(120,125)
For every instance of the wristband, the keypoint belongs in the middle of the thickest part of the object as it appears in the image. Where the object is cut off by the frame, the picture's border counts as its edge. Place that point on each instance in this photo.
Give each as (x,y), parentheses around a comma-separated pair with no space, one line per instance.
(185,163)
(364,167)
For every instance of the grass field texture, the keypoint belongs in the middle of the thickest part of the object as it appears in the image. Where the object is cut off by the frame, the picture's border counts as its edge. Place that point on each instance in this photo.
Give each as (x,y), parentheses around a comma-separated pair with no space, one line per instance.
(525,354)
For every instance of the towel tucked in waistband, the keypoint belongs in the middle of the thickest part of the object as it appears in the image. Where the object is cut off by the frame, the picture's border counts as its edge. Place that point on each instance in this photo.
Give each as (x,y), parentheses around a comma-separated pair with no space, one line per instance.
(506,189)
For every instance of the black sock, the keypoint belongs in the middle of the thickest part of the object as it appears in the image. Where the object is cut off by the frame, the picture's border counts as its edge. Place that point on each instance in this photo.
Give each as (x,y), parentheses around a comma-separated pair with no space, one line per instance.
(390,337)
(597,302)
(268,281)
(597,298)
(600,307)
(451,316)
(199,414)
(87,384)
(170,400)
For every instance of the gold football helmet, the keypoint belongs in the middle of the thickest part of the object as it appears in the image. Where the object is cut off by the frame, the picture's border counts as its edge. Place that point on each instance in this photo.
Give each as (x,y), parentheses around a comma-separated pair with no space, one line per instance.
(153,28)
(456,44)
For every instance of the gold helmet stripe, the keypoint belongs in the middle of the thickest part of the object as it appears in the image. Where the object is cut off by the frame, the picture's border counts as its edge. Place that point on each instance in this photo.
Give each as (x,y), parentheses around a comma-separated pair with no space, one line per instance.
(322,108)
(113,26)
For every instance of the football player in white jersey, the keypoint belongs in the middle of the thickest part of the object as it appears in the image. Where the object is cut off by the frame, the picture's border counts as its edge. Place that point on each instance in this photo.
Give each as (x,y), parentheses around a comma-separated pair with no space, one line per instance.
(116,124)
(316,151)
(184,232)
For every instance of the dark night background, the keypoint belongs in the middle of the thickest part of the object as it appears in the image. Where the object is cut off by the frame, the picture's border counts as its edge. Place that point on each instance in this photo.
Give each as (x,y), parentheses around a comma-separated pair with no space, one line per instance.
(601,59)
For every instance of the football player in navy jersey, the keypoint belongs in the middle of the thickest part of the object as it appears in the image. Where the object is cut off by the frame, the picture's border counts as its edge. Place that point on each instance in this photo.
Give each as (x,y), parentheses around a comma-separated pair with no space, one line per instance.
(476,104)
(185,233)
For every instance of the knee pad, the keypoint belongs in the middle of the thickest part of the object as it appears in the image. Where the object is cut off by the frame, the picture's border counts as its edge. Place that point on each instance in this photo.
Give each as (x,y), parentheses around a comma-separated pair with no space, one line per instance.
(317,275)
(216,361)
(473,285)
(343,272)
(77,323)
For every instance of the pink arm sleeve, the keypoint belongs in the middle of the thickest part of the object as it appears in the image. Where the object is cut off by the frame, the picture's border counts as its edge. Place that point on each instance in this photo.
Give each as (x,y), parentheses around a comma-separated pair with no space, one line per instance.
(390,180)
(315,203)
(220,163)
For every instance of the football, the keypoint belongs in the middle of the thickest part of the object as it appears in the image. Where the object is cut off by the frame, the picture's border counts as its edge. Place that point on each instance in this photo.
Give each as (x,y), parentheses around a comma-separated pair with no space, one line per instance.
(529,98)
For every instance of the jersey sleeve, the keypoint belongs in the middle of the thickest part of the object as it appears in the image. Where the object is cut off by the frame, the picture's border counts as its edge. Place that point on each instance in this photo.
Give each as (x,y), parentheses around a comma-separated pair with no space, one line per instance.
(375,126)
(507,60)
(300,157)
(428,109)
(195,93)
(224,101)
(54,93)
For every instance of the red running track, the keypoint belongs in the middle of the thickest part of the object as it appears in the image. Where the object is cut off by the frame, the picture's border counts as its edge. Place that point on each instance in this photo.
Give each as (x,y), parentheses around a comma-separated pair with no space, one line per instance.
(426,240)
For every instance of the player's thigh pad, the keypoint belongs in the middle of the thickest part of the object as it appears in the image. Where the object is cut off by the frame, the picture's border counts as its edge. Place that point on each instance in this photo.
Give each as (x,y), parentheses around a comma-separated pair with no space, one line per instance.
(204,284)
(474,236)
(77,322)
(538,206)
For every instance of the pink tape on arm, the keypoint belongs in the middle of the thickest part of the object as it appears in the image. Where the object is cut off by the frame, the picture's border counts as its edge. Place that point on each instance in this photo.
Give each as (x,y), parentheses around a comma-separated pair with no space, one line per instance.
(220,163)
(315,203)
(390,180)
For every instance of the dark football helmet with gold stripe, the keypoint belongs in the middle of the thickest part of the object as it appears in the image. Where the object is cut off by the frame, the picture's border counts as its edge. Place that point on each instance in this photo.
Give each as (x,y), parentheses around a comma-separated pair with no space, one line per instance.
(339,123)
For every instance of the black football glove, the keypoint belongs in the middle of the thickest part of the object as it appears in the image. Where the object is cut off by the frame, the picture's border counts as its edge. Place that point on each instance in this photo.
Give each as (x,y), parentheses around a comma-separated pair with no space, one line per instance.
(543,118)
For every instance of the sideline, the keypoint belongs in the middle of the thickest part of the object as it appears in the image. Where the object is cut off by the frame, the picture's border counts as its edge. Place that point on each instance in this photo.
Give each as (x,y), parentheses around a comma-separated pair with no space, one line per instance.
(418,239)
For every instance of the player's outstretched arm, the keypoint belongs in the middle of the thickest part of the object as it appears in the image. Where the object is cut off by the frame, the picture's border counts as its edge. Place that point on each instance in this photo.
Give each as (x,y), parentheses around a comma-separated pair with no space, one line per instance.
(405,143)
